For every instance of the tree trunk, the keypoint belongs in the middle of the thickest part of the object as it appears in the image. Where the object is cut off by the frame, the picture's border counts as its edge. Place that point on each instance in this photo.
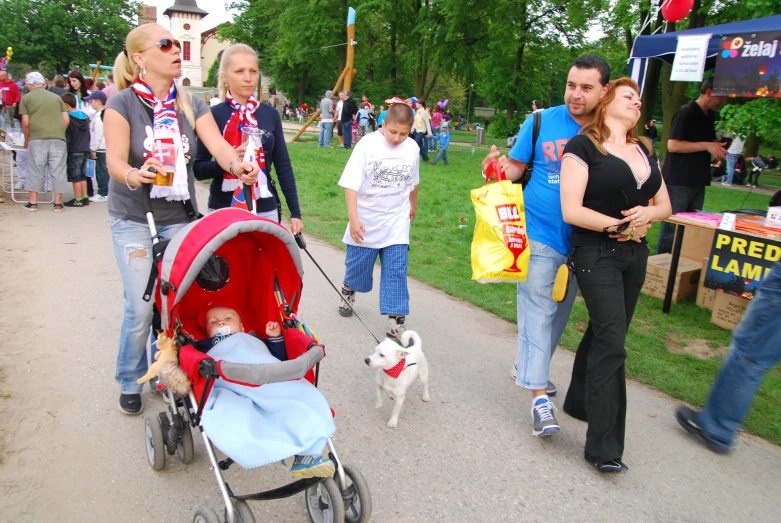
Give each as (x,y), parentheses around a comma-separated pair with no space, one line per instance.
(302,86)
(673,92)
(430,87)
(370,65)
(393,39)
(752,145)
(650,88)
(511,107)
(672,100)
(651,83)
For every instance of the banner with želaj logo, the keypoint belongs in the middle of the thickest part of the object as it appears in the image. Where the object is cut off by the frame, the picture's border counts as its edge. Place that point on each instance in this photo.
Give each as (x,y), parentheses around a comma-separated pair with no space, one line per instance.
(749,65)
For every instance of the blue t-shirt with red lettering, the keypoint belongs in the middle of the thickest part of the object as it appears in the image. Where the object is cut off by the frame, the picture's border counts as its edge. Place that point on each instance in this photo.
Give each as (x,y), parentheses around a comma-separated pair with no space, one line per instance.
(544,222)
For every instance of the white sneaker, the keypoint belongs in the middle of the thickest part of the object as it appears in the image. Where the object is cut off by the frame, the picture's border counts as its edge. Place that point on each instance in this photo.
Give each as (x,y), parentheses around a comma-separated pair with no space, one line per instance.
(19,186)
(47,187)
(98,198)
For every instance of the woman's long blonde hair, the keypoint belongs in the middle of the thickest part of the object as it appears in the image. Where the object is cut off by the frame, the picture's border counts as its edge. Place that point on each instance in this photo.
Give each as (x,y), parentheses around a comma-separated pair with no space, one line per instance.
(126,70)
(225,60)
(597,130)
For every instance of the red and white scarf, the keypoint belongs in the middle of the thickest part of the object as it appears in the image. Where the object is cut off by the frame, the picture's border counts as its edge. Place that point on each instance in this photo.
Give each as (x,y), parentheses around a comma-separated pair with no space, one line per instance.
(165,128)
(242,115)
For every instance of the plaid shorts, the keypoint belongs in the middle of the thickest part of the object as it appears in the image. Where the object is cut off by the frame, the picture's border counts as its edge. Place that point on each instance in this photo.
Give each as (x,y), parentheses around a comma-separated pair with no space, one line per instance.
(359,263)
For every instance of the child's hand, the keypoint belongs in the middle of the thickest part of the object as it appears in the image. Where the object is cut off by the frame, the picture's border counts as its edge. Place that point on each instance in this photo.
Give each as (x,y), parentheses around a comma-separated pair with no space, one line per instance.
(412,211)
(273,329)
(357,231)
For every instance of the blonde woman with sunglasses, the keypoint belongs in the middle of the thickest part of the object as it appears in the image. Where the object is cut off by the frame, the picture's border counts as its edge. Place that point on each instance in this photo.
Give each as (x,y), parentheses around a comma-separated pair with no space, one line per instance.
(147,112)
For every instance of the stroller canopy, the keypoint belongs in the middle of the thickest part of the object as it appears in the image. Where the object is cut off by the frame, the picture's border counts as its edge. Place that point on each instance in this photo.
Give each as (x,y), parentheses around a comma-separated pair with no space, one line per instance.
(230,256)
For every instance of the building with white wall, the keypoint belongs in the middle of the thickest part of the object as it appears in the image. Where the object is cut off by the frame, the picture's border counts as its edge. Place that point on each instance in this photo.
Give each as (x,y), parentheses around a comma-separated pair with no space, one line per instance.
(186,16)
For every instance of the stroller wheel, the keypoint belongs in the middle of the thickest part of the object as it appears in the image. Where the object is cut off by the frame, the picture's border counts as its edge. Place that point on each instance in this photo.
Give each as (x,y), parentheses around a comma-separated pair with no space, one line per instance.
(324,502)
(357,500)
(206,515)
(155,444)
(184,447)
(242,512)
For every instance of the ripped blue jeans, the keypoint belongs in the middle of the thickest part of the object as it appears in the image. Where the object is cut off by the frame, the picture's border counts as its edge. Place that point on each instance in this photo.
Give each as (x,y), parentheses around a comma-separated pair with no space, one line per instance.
(131,238)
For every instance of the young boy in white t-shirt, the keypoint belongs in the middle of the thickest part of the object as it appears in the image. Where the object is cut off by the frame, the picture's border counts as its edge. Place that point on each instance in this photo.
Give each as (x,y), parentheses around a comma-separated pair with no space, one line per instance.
(381,189)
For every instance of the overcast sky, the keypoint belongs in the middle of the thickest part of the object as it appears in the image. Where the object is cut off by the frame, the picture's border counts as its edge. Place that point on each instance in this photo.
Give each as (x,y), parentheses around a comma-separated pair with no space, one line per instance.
(217,10)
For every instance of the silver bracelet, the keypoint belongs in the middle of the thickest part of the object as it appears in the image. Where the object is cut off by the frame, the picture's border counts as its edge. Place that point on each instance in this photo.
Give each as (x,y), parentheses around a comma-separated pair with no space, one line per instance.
(230,166)
(126,179)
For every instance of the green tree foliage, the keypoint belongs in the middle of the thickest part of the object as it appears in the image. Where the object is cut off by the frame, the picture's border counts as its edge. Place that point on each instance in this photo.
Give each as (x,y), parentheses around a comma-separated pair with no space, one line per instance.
(65,33)
(759,117)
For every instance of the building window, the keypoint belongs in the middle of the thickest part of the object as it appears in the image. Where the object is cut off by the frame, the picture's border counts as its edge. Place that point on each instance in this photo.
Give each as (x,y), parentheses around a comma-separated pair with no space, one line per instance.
(186,51)
(186,27)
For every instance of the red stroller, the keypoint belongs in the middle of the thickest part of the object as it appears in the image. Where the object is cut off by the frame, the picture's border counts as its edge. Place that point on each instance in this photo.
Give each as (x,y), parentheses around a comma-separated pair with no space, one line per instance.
(256,264)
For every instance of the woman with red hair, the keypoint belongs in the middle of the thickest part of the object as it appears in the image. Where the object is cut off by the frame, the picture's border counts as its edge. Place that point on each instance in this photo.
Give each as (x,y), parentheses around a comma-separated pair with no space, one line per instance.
(611,192)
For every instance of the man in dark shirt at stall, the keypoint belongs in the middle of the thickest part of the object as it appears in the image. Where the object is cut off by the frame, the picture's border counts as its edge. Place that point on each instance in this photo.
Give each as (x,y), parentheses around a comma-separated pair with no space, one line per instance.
(690,145)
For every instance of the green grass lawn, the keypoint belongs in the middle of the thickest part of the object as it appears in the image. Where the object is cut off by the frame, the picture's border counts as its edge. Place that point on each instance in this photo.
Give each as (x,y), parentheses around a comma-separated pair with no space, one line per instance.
(770,178)
(439,256)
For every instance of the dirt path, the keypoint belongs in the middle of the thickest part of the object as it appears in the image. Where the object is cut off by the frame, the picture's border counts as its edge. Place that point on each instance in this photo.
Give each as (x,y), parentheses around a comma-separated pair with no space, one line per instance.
(70,455)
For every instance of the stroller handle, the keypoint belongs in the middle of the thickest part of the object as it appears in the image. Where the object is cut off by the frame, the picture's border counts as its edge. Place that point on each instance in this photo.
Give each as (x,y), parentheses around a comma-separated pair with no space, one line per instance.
(261,374)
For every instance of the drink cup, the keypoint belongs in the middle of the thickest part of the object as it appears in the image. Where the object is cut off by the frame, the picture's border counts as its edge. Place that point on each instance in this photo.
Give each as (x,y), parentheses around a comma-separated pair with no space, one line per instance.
(251,137)
(166,153)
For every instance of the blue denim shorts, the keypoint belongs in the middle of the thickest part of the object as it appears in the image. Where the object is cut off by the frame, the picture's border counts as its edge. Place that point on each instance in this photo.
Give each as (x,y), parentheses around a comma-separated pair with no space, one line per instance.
(77,167)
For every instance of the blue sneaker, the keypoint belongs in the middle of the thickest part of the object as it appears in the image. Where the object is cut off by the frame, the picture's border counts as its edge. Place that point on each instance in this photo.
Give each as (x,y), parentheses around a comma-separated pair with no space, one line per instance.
(544,423)
(312,467)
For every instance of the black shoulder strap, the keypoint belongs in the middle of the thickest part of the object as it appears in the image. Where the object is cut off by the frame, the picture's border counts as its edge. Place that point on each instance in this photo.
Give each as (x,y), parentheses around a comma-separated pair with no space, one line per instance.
(527,174)
(535,132)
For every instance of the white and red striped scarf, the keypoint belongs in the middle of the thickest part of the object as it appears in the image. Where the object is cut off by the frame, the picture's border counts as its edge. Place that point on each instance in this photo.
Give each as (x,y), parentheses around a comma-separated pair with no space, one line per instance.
(165,128)
(164,110)
(242,115)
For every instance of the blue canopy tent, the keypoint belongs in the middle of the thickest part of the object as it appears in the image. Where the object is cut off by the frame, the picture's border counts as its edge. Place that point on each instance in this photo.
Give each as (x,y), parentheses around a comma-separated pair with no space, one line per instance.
(663,45)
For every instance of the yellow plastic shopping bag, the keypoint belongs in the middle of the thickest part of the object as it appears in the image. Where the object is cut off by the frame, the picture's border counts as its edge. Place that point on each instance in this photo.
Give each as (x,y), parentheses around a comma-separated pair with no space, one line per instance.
(500,246)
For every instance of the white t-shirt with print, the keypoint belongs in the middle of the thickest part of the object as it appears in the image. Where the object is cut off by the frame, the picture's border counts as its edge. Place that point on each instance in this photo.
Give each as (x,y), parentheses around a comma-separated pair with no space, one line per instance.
(383,176)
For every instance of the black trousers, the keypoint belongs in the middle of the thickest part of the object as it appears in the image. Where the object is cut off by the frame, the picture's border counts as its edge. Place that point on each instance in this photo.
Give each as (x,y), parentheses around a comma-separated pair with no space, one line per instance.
(610,277)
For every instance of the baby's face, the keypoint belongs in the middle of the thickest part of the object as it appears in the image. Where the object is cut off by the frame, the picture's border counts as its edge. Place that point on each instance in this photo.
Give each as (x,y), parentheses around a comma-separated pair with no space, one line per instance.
(220,317)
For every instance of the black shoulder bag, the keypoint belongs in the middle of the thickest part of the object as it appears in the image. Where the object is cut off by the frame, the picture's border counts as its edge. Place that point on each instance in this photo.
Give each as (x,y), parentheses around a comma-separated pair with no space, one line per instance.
(527,174)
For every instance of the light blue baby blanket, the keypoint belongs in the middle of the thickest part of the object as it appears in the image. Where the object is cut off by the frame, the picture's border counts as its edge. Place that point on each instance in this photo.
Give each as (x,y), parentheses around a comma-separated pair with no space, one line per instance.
(255,426)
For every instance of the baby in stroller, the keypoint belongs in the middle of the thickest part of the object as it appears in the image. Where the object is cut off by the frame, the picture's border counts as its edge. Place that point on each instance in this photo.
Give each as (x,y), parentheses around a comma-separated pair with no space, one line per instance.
(257,425)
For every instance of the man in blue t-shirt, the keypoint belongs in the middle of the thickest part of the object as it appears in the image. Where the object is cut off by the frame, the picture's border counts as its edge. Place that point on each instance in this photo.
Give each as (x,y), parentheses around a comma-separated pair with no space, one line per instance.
(541,320)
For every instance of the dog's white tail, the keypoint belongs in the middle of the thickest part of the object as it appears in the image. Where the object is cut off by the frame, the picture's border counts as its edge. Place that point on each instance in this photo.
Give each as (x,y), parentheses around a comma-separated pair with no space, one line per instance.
(410,335)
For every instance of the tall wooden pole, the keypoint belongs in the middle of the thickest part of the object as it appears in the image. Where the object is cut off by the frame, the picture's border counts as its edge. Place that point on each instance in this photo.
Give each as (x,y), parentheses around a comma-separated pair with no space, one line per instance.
(348,73)
(348,79)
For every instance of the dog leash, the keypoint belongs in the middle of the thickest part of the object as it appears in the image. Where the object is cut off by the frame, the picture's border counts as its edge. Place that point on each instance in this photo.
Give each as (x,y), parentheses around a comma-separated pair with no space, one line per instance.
(302,244)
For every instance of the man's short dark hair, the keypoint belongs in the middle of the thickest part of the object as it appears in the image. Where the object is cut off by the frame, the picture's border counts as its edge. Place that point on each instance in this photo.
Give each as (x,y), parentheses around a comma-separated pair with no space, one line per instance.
(59,81)
(707,84)
(69,99)
(401,114)
(537,104)
(592,61)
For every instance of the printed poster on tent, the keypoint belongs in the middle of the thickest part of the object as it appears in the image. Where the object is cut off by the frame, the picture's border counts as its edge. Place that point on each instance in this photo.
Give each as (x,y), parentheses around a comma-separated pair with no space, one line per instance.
(749,65)
(739,263)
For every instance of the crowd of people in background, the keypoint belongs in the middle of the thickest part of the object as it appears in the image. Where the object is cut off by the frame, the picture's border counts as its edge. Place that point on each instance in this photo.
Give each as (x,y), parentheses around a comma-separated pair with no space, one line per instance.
(61,120)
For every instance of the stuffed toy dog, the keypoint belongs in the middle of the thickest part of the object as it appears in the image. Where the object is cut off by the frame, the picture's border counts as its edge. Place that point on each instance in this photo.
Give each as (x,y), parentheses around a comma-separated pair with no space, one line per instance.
(166,367)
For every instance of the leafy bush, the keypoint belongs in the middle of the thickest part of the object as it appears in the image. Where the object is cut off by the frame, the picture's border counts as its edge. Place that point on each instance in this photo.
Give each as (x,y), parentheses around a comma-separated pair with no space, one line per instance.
(499,127)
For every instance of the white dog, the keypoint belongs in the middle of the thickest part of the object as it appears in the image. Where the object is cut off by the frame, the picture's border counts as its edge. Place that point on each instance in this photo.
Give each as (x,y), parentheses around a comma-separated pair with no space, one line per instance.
(397,368)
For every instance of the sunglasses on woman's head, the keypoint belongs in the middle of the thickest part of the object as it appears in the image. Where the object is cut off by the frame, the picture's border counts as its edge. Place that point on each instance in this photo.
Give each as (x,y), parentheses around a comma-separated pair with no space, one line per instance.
(165,45)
